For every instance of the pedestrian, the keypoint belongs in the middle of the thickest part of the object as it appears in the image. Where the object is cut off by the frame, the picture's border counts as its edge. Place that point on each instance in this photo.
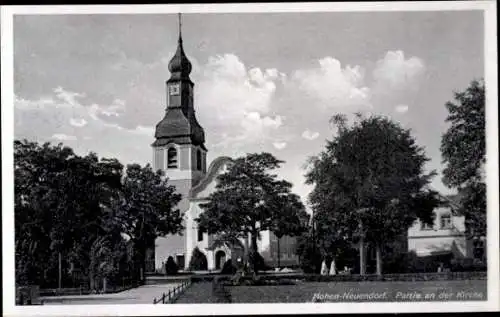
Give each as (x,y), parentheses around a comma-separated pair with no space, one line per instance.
(324,269)
(333,268)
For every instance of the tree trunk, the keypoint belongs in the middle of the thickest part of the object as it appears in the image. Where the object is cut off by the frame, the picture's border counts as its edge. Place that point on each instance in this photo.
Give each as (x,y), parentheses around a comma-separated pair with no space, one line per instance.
(60,270)
(91,279)
(279,253)
(140,258)
(378,253)
(104,284)
(362,260)
(254,251)
(247,249)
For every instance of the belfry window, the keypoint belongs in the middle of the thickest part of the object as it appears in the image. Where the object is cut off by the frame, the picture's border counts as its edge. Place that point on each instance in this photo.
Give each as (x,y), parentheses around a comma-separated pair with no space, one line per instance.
(172,158)
(198,160)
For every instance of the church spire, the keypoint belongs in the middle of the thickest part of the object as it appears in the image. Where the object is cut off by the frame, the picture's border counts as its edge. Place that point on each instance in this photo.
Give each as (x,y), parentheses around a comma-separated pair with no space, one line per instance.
(179,125)
(179,65)
(180,27)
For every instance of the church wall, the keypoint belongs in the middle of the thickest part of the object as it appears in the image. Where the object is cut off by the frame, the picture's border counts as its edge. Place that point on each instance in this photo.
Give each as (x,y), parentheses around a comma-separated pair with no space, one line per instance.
(170,245)
(184,155)
(173,245)
(288,256)
(158,159)
(192,232)
(263,244)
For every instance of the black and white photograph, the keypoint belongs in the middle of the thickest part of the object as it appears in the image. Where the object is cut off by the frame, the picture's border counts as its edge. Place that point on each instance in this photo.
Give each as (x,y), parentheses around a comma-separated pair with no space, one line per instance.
(172,156)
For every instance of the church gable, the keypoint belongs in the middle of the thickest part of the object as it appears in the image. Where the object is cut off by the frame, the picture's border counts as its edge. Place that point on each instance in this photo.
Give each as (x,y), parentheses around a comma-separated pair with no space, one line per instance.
(206,186)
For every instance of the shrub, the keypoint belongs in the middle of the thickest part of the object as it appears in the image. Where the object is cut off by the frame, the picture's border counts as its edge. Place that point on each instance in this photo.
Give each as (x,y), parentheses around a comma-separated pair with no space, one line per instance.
(228,268)
(171,267)
(261,264)
(198,261)
(309,254)
(467,265)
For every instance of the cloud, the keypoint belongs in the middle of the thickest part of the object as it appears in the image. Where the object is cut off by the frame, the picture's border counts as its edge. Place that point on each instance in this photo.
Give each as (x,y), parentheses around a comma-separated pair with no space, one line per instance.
(229,89)
(395,72)
(62,116)
(98,112)
(309,135)
(78,122)
(332,85)
(401,108)
(64,137)
(68,98)
(235,103)
(279,145)
(253,122)
(149,131)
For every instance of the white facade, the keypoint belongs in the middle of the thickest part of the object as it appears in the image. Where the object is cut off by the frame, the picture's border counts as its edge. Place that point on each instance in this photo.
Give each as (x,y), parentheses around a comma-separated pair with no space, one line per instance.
(447,234)
(182,246)
(203,242)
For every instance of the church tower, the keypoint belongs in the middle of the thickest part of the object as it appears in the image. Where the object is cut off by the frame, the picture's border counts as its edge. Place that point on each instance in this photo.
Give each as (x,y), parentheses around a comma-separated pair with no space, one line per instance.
(179,148)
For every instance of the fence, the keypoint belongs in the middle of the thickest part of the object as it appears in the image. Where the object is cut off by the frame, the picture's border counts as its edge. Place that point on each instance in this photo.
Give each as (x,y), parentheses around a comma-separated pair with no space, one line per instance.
(171,296)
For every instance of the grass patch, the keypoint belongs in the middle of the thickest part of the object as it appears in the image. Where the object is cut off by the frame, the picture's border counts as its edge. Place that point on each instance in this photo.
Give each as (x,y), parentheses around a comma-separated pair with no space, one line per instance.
(303,292)
(361,291)
(201,292)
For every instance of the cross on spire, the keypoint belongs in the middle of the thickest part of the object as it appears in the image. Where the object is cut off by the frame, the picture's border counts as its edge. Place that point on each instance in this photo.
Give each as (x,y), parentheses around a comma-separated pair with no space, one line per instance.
(180,26)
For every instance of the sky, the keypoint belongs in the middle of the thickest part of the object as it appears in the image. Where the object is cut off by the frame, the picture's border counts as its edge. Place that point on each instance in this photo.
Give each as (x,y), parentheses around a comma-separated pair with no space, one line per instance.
(263,81)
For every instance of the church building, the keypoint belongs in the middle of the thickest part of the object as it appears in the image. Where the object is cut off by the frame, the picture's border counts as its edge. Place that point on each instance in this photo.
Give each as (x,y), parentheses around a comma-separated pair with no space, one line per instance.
(179,150)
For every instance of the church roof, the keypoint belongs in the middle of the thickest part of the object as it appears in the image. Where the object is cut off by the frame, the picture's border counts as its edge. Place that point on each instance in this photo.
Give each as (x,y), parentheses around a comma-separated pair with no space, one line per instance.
(179,66)
(213,171)
(181,127)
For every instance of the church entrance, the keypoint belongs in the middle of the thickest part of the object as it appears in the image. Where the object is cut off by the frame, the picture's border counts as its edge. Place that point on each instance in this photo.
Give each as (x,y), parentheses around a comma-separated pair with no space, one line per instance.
(220,259)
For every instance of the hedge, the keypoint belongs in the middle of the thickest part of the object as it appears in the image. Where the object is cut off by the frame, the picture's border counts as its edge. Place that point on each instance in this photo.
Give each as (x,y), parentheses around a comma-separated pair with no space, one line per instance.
(410,277)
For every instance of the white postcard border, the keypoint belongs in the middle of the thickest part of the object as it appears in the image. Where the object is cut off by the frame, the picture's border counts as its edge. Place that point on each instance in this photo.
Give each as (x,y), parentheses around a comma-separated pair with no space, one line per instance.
(7,121)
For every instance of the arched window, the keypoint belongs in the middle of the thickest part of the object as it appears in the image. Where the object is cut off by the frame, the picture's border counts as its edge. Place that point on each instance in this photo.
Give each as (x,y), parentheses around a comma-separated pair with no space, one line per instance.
(172,158)
(198,160)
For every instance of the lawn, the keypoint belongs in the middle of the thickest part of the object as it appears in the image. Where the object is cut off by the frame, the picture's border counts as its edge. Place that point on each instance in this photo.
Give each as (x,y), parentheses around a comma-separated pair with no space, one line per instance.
(343,292)
(198,293)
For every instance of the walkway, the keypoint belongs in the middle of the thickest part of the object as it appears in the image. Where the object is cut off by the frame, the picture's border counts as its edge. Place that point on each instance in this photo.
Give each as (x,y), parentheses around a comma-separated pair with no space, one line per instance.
(140,295)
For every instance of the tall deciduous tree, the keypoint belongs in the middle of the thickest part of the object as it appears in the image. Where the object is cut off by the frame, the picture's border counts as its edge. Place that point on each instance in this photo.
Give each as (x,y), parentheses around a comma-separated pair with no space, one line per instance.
(290,218)
(60,208)
(463,148)
(147,208)
(37,171)
(250,199)
(369,184)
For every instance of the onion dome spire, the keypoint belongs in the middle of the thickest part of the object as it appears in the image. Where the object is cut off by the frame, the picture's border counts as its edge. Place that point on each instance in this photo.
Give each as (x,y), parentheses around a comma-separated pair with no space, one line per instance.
(179,65)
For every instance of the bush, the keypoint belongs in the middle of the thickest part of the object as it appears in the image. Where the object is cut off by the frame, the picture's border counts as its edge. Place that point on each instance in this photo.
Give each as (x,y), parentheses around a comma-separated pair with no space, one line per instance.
(309,254)
(171,267)
(228,268)
(260,263)
(198,261)
(467,265)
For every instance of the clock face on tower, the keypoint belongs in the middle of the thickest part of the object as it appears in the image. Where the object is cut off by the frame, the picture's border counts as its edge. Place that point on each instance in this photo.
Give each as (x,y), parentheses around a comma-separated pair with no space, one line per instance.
(174,90)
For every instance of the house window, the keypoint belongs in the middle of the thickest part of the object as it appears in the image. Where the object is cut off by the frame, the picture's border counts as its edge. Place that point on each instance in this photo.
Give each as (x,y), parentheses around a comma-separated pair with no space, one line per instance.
(198,160)
(478,250)
(426,226)
(172,158)
(200,234)
(446,221)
